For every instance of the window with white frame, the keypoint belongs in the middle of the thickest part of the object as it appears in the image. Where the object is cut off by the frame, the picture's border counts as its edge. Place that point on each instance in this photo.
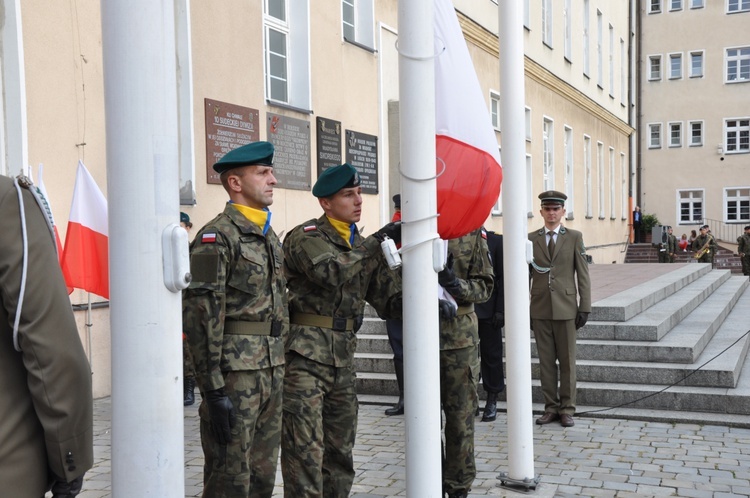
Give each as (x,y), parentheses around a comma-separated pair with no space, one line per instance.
(612,177)
(357,22)
(527,123)
(600,175)
(675,66)
(696,133)
(611,61)
(286,38)
(696,64)
(737,135)
(529,188)
(587,180)
(586,41)
(654,7)
(654,136)
(737,204)
(738,64)
(547,22)
(599,49)
(696,4)
(623,73)
(526,17)
(738,6)
(691,206)
(675,4)
(623,187)
(654,67)
(568,23)
(495,109)
(569,185)
(675,134)
(548,156)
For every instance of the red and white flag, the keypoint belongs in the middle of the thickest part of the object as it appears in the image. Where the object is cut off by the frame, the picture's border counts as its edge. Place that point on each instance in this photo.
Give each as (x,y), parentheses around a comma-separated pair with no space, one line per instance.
(58,243)
(85,259)
(467,148)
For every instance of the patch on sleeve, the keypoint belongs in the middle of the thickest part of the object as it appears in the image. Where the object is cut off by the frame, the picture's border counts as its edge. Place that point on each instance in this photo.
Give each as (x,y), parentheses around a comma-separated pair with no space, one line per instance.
(208,238)
(205,268)
(317,250)
(309,228)
(484,234)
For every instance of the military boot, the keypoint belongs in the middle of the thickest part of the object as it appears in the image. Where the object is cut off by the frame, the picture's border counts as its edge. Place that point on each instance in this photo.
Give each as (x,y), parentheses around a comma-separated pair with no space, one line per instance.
(490,409)
(398,366)
(189,391)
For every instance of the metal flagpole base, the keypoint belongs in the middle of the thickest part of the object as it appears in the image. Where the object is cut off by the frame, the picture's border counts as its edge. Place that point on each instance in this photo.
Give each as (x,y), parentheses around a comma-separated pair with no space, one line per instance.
(523,485)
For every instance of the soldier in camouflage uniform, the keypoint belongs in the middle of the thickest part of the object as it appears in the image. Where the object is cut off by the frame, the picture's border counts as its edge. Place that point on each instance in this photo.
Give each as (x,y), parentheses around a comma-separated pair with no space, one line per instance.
(705,239)
(671,244)
(331,271)
(468,278)
(743,249)
(236,319)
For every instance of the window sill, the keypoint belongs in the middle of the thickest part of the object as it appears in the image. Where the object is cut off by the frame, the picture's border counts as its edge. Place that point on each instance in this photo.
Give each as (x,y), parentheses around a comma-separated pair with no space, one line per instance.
(290,107)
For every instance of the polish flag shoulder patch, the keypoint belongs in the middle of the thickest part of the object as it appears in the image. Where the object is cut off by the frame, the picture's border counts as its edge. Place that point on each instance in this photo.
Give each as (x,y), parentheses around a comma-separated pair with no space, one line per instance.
(208,238)
(484,234)
(309,228)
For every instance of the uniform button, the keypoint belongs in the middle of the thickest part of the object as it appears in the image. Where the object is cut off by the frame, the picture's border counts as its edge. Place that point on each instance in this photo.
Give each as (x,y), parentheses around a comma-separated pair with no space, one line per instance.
(71,468)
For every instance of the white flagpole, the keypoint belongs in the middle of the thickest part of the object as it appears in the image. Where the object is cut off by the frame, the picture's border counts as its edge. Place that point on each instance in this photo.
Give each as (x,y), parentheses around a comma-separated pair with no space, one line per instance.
(515,267)
(140,83)
(419,206)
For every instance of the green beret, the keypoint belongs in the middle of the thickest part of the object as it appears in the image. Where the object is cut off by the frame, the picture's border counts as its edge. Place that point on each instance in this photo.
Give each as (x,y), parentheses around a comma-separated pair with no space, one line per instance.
(247,155)
(184,218)
(334,179)
(552,197)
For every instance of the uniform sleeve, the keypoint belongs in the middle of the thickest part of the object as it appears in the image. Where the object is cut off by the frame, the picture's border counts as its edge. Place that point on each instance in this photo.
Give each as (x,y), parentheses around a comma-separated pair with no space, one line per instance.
(473,269)
(497,265)
(58,373)
(582,276)
(204,305)
(311,254)
(385,290)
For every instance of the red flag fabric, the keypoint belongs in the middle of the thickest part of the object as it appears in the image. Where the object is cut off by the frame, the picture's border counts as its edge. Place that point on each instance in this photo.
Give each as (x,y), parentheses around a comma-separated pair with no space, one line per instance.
(85,260)
(43,190)
(466,146)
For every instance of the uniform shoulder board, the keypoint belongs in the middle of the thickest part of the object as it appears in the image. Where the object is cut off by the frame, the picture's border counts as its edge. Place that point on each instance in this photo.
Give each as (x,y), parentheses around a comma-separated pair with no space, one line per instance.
(208,238)
(309,228)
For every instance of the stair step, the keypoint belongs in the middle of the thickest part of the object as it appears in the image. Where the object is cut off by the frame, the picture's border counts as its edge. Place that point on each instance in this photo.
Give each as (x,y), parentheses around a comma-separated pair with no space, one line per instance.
(373,343)
(373,362)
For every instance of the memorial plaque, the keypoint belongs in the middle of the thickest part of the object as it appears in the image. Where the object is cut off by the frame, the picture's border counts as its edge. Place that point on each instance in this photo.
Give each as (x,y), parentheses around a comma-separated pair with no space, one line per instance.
(328,141)
(362,153)
(228,126)
(291,138)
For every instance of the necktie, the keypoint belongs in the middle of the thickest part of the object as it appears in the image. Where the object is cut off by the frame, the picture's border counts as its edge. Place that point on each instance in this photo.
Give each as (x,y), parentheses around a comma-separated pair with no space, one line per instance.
(551,245)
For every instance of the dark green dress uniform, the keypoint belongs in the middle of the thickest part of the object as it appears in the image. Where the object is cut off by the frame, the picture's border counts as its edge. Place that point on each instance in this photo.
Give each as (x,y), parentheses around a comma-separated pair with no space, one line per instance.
(46,409)
(671,247)
(743,249)
(701,242)
(236,319)
(459,359)
(328,284)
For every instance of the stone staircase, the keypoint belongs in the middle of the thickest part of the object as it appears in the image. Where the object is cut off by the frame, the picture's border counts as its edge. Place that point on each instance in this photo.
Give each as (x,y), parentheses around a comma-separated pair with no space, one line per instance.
(724,259)
(686,327)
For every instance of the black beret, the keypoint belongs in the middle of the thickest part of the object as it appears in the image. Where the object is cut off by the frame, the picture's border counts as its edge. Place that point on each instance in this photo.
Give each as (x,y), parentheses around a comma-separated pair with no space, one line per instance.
(552,197)
(334,179)
(253,153)
(184,218)
(397,201)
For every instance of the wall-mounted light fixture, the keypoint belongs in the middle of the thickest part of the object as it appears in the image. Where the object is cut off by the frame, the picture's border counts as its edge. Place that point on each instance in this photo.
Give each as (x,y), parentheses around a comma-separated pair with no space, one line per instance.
(720,149)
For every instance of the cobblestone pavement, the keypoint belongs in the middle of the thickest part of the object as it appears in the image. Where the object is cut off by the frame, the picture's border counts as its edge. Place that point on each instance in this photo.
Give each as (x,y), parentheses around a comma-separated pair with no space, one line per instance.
(597,457)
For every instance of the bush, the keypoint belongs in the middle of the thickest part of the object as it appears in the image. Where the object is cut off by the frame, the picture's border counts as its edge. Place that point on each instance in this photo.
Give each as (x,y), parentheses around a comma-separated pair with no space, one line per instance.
(648,222)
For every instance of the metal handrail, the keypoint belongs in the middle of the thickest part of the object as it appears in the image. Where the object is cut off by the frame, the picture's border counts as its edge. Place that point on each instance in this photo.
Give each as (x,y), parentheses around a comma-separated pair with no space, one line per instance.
(725,232)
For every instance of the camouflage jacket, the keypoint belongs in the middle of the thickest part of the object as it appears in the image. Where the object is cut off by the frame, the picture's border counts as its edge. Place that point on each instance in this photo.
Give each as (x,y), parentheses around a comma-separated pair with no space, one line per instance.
(473,268)
(237,277)
(743,244)
(327,278)
(701,241)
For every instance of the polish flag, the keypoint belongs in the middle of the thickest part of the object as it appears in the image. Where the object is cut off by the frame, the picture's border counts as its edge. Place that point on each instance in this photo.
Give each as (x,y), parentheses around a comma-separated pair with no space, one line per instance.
(467,150)
(85,258)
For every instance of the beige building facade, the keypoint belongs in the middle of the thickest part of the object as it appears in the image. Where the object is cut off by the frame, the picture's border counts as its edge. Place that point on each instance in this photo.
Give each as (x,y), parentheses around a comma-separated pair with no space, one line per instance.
(694,146)
(312,76)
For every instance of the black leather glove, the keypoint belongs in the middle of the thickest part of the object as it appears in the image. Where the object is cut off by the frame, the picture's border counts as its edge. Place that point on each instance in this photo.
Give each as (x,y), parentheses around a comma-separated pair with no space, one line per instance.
(63,489)
(392,230)
(447,277)
(221,411)
(358,323)
(498,320)
(446,309)
(581,319)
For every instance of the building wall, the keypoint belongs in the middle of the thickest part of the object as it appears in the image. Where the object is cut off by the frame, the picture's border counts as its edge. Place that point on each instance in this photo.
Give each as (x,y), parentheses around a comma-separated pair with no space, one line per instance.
(668,169)
(348,83)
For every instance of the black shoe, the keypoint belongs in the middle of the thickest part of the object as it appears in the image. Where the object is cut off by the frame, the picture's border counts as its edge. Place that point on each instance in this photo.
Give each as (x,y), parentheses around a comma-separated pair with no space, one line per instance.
(398,409)
(458,494)
(490,409)
(189,392)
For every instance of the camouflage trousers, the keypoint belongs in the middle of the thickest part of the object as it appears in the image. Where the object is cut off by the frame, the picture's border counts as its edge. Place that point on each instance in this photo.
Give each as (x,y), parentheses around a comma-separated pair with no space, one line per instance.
(188,370)
(318,429)
(459,376)
(247,465)
(745,264)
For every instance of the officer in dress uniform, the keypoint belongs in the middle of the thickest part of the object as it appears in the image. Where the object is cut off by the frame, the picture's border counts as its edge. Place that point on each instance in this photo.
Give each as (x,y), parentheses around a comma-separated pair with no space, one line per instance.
(46,408)
(743,249)
(705,245)
(560,305)
(236,319)
(331,271)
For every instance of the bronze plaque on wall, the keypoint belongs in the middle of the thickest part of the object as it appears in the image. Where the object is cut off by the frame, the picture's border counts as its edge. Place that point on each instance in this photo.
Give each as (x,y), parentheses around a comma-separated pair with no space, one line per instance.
(228,126)
(328,142)
(291,139)
(362,153)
